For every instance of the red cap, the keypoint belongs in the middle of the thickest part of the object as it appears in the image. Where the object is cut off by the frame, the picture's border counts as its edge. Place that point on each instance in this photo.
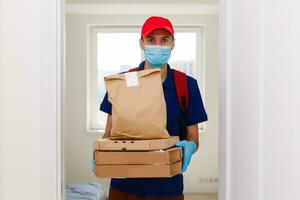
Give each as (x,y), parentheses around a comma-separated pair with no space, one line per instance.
(156,22)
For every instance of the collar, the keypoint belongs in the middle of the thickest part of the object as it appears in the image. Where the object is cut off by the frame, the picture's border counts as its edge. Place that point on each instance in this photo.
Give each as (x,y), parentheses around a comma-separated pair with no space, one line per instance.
(169,82)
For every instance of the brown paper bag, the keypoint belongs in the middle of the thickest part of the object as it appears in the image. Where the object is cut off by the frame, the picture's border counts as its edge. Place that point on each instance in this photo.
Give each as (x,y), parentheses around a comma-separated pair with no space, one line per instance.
(138,105)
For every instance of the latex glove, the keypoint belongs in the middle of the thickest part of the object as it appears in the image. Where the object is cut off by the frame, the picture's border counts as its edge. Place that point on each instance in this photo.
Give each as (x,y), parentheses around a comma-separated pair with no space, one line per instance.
(93,166)
(188,148)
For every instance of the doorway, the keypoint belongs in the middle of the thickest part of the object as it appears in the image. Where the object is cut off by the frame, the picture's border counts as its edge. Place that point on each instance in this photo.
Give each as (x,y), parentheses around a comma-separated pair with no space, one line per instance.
(80,115)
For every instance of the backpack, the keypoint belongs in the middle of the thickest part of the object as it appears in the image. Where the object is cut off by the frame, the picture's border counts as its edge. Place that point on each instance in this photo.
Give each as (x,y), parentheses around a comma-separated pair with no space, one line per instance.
(180,81)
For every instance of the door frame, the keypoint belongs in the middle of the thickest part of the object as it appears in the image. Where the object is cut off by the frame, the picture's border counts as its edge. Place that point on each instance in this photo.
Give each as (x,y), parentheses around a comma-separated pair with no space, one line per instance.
(224,105)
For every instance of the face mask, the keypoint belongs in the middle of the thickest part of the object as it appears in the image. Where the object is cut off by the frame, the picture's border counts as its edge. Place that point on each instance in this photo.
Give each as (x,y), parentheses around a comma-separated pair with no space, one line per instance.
(157,55)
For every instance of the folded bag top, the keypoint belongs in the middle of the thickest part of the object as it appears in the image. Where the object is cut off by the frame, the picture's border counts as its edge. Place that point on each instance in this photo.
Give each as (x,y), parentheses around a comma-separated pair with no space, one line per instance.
(138,105)
(140,74)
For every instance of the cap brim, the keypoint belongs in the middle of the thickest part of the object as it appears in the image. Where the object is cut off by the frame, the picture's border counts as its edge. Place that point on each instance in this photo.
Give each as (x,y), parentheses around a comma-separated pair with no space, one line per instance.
(158,27)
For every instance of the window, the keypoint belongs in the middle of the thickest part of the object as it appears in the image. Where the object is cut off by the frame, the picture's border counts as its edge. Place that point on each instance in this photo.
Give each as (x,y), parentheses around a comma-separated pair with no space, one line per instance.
(113,50)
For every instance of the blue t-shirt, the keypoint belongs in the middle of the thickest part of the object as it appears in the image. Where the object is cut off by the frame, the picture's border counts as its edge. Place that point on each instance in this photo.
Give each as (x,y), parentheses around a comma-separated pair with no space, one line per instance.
(160,187)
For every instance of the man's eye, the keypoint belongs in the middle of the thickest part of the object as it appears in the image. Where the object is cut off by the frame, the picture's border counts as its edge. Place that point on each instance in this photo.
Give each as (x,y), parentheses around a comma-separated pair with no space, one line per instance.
(150,40)
(165,40)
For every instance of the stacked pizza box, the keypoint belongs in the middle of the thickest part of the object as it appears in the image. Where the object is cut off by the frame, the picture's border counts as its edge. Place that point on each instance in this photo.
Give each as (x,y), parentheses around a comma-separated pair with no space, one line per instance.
(137,158)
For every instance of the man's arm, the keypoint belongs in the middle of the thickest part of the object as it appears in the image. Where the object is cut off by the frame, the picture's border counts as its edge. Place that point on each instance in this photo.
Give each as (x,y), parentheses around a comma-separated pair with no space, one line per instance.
(192,134)
(108,126)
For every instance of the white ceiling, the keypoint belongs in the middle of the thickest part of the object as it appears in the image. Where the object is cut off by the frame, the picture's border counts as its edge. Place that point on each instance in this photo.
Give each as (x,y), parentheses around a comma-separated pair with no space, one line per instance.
(142,1)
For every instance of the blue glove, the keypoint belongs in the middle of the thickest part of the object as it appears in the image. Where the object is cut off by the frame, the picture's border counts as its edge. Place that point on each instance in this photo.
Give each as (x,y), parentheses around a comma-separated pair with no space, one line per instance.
(188,148)
(93,165)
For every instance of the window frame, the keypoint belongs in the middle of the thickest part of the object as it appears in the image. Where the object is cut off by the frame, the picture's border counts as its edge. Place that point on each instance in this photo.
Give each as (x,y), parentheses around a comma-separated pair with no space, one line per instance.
(92,30)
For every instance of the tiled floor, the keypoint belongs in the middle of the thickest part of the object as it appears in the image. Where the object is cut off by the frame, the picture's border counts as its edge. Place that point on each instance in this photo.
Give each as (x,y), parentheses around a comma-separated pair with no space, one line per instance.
(202,196)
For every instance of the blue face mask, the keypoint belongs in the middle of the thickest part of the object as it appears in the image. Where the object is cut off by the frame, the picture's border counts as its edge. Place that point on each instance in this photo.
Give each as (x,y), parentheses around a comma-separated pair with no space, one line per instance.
(157,55)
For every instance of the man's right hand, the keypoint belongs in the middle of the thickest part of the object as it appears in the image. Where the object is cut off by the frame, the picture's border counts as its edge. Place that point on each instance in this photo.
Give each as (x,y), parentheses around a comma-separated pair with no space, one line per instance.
(93,166)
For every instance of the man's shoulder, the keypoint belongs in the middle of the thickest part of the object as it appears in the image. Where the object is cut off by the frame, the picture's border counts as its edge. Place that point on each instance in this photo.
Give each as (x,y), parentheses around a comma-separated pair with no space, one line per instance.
(190,80)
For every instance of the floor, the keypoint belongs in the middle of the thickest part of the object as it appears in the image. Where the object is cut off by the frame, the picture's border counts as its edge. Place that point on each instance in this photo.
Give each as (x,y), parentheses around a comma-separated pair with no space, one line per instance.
(202,196)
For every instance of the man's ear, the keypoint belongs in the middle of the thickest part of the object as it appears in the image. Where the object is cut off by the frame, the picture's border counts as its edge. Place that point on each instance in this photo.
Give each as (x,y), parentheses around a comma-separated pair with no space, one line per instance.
(142,46)
(173,44)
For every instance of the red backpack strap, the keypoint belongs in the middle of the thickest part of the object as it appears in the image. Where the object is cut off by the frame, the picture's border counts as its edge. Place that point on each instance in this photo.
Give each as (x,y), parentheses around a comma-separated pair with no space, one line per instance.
(133,69)
(180,80)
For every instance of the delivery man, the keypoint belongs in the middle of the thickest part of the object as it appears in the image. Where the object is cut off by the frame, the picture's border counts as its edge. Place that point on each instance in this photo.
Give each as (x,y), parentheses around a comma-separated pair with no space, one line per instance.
(157,41)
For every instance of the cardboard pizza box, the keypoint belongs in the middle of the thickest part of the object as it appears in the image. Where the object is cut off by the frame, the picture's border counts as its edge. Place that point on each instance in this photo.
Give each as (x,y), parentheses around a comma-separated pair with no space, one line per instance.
(166,156)
(134,145)
(138,171)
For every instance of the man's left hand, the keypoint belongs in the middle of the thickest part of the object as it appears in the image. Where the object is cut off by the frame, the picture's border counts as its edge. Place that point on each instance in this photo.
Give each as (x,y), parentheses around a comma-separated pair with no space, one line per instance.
(188,148)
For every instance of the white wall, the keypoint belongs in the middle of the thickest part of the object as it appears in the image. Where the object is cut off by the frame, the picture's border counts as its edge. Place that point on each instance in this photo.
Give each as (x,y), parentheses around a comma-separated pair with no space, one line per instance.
(78,148)
(281,97)
(261,56)
(29,116)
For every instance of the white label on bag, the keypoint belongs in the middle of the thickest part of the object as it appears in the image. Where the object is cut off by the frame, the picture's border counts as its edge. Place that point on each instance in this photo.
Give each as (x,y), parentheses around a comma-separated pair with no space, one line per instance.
(131,79)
